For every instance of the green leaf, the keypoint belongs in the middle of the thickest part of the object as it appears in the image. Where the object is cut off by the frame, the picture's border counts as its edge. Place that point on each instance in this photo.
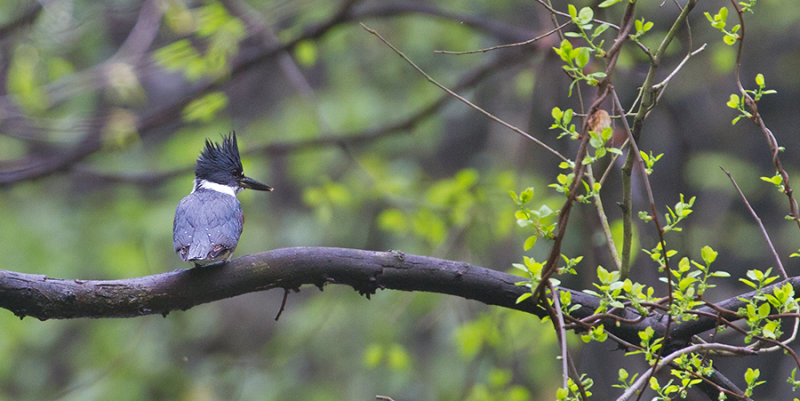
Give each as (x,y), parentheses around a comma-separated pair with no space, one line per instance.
(585,15)
(733,101)
(708,255)
(564,50)
(582,58)
(526,195)
(556,113)
(565,297)
(603,275)
(305,52)
(654,384)
(600,29)
(530,242)
(751,375)
(205,108)
(763,310)
(760,80)
(568,113)
(729,40)
(524,297)
(748,283)
(608,3)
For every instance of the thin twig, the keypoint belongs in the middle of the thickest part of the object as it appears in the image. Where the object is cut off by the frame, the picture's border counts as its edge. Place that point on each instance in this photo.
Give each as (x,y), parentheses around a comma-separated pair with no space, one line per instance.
(462,99)
(563,14)
(558,324)
(675,70)
(283,304)
(760,224)
(507,45)
(601,214)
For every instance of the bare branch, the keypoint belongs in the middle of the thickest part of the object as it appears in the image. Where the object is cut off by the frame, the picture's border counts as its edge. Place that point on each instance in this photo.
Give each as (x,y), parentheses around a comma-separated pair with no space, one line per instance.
(760,224)
(507,45)
(462,99)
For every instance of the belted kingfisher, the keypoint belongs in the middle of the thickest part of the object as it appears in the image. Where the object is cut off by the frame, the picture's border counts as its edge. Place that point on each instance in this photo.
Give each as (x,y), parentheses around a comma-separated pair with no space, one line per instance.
(208,221)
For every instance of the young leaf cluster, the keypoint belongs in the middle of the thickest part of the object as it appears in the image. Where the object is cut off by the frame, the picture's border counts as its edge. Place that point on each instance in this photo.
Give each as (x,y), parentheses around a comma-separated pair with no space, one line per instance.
(649,160)
(675,215)
(598,141)
(719,21)
(583,20)
(641,26)
(738,102)
(577,58)
(691,368)
(650,345)
(757,310)
(625,379)
(614,293)
(776,180)
(563,120)
(538,219)
(751,378)
(690,281)
(572,391)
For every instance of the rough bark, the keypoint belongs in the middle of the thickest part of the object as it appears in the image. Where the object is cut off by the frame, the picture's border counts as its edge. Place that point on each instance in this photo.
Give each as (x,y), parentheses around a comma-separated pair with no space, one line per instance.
(366,271)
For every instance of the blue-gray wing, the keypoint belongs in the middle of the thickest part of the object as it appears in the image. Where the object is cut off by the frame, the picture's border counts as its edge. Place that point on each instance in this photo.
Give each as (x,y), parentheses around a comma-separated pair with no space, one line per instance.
(207,226)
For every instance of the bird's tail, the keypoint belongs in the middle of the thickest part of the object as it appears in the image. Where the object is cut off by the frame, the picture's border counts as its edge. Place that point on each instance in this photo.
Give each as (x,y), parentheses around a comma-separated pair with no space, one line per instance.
(198,250)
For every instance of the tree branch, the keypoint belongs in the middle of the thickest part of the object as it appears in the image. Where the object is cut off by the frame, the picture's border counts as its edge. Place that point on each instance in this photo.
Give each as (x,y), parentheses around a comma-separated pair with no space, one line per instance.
(366,271)
(45,298)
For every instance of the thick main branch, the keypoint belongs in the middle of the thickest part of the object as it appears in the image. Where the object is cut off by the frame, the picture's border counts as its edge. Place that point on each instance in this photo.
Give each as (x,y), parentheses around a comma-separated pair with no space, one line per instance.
(366,271)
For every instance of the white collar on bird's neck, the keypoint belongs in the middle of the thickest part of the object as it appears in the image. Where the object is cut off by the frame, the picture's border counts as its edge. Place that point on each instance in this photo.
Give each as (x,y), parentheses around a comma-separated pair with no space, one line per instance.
(206,184)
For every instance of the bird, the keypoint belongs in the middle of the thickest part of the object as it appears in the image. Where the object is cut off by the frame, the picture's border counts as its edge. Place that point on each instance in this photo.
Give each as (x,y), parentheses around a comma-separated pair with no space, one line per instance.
(208,222)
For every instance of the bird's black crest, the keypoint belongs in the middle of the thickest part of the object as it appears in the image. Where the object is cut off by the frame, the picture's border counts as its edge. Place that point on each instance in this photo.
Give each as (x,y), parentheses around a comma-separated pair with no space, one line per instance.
(220,162)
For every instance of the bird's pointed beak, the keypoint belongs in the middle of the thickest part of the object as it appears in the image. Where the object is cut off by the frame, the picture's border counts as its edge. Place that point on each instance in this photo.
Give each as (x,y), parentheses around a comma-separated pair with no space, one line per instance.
(248,182)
